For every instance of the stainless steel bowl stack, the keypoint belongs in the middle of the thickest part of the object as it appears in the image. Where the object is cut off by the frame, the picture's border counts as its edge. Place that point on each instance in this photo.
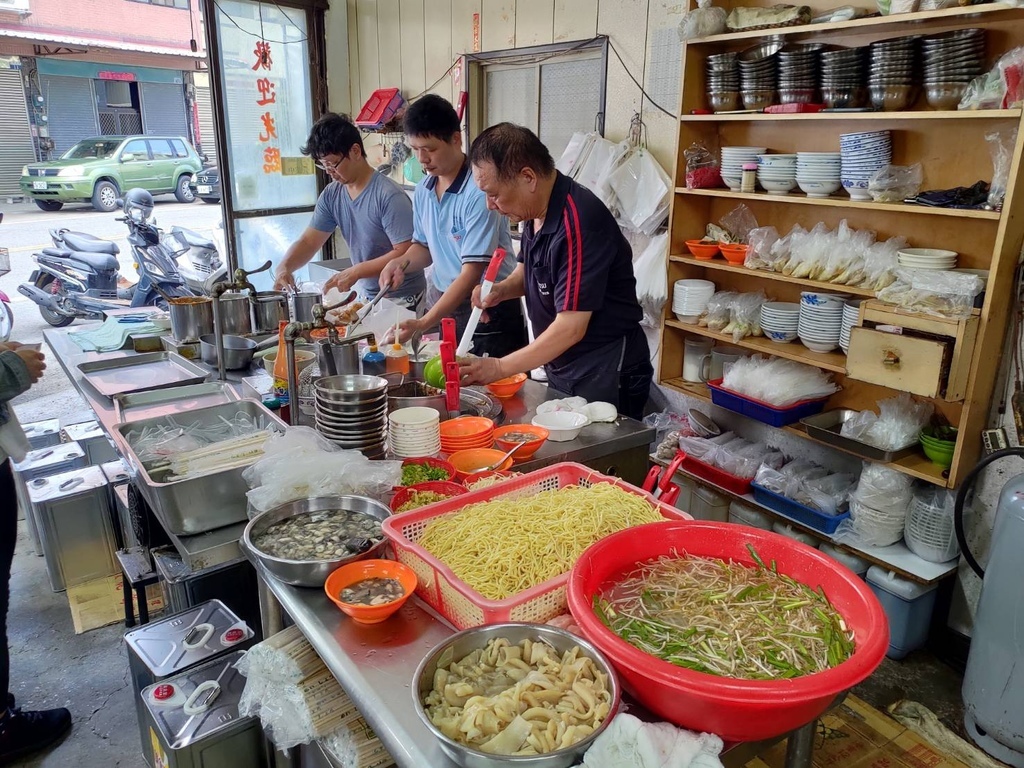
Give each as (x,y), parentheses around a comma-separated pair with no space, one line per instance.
(723,82)
(893,80)
(798,73)
(951,61)
(843,78)
(759,75)
(462,644)
(351,411)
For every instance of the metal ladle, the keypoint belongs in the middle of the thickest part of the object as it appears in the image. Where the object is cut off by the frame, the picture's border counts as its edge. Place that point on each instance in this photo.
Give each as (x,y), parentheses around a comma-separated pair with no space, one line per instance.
(500,461)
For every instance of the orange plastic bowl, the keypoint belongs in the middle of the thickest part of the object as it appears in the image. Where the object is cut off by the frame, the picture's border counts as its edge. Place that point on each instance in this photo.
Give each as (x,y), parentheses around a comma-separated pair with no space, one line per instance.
(476,458)
(734,254)
(526,451)
(466,428)
(349,574)
(507,387)
(702,250)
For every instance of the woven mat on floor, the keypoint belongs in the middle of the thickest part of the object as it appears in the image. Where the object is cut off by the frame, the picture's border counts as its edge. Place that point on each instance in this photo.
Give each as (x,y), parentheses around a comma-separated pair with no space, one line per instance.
(855,735)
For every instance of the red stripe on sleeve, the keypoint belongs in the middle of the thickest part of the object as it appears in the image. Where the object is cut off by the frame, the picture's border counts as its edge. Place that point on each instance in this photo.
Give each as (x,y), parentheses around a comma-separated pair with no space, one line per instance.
(579,251)
(569,256)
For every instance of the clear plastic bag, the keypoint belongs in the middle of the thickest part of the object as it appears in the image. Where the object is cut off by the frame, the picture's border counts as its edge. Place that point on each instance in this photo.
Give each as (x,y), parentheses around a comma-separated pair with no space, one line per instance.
(745,316)
(896,183)
(881,262)
(761,240)
(829,495)
(701,168)
(300,463)
(896,427)
(1000,146)
(878,507)
(1011,75)
(652,279)
(719,311)
(642,190)
(702,21)
(776,381)
(739,223)
(933,292)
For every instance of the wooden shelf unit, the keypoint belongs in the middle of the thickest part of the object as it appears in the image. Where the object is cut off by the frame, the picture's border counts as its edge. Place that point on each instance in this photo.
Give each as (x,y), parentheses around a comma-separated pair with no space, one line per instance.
(952,149)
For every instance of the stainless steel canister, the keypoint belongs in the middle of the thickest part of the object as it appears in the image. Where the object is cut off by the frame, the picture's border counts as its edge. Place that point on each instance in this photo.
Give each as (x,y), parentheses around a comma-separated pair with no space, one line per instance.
(337,359)
(234,312)
(269,309)
(191,317)
(302,306)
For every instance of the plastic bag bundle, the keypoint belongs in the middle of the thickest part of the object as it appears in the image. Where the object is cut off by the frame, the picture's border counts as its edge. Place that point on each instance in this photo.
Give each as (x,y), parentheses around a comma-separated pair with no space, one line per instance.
(652,279)
(642,191)
(897,425)
(807,483)
(702,21)
(300,463)
(745,315)
(738,457)
(895,183)
(738,224)
(355,745)
(933,292)
(881,262)
(776,381)
(719,311)
(878,507)
(701,168)
(759,255)
(1000,145)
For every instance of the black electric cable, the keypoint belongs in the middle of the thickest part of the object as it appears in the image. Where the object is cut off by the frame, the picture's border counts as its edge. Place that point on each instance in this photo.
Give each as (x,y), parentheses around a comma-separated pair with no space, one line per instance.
(654,104)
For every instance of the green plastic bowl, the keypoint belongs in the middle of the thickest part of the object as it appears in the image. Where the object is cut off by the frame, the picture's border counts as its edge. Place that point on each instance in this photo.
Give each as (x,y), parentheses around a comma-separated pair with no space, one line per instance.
(943,457)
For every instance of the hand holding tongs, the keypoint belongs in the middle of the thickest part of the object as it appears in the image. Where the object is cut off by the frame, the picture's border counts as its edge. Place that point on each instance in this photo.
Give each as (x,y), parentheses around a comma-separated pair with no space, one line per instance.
(373,302)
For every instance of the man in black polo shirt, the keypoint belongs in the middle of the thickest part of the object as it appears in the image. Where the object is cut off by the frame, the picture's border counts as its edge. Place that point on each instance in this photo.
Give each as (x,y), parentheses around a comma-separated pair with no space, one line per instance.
(576,273)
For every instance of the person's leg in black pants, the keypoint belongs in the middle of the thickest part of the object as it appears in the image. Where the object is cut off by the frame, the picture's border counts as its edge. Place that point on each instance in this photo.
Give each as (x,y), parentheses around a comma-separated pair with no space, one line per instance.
(21,733)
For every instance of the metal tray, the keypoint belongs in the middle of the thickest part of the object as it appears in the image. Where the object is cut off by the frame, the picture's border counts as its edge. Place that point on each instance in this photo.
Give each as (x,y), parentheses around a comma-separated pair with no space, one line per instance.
(138,373)
(199,504)
(826,426)
(164,402)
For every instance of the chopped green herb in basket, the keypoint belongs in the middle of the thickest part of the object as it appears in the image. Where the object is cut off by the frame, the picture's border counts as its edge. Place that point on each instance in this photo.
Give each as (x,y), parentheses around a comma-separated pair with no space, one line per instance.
(422,473)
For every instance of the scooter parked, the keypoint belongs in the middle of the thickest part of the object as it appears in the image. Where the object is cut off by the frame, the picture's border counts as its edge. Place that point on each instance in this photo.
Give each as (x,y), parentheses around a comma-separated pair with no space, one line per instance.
(6,315)
(78,277)
(198,258)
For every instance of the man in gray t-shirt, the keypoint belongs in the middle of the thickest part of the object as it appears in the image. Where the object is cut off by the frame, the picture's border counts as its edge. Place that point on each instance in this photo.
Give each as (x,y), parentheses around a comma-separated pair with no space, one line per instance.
(372,212)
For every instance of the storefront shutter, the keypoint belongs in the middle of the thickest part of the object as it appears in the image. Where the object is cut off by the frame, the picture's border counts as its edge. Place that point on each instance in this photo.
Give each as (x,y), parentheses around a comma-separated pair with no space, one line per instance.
(204,105)
(163,109)
(16,149)
(71,109)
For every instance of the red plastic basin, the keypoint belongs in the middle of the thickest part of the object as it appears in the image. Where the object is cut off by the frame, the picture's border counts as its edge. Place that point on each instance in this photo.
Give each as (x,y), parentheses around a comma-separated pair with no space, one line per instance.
(736,710)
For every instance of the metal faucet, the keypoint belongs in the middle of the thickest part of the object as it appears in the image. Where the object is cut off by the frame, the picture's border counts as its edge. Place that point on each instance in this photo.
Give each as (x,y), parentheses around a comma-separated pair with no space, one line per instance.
(240,282)
(294,329)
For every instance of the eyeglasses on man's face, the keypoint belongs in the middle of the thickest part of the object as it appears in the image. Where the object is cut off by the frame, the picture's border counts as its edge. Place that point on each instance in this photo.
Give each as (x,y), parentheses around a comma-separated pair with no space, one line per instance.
(325,165)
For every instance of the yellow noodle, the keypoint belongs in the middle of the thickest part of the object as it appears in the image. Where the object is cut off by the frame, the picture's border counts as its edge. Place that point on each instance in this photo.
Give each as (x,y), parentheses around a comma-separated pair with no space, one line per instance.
(505,546)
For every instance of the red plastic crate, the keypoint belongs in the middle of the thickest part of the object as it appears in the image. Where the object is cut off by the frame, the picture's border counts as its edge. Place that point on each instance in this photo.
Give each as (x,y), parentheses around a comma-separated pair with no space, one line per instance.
(462,605)
(379,108)
(711,473)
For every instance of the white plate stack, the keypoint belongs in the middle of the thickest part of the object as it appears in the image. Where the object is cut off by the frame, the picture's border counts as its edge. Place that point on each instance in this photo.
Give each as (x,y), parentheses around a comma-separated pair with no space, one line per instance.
(780,321)
(776,173)
(690,299)
(733,160)
(862,155)
(414,432)
(818,173)
(821,320)
(927,258)
(851,314)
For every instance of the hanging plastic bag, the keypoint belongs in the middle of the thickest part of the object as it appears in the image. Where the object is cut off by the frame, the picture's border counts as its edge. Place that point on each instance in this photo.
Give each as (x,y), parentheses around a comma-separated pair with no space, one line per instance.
(702,21)
(652,279)
(575,151)
(641,188)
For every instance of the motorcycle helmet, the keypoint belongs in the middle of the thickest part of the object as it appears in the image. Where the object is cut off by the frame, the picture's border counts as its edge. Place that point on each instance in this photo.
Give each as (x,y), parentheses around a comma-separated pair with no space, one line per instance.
(138,205)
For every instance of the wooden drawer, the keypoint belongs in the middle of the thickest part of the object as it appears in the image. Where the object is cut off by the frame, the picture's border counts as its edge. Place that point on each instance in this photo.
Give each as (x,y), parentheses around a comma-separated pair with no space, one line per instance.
(906,363)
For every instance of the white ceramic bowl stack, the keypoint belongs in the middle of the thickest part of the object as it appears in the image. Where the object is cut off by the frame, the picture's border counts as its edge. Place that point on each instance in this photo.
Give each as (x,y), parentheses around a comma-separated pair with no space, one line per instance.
(927,258)
(818,173)
(776,173)
(821,320)
(851,314)
(780,321)
(690,299)
(733,160)
(862,155)
(414,432)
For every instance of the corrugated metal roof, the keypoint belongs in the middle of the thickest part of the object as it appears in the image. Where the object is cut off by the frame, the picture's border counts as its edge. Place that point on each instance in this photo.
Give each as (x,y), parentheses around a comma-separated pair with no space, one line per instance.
(46,38)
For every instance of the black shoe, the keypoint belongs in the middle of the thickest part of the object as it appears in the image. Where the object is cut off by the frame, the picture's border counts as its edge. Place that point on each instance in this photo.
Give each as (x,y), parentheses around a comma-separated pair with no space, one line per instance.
(22,733)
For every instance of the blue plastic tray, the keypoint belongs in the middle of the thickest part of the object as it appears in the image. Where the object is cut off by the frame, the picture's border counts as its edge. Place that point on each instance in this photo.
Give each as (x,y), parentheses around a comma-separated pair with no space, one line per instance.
(767,414)
(812,518)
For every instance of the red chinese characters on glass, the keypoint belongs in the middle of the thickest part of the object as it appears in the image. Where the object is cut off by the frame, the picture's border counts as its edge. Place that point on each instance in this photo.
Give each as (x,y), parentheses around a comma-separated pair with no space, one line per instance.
(267,94)
(263,57)
(271,160)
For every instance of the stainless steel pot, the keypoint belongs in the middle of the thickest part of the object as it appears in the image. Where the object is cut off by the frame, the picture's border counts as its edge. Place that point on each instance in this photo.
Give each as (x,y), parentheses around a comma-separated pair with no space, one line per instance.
(269,310)
(191,318)
(234,312)
(238,351)
(337,359)
(311,573)
(417,394)
(302,306)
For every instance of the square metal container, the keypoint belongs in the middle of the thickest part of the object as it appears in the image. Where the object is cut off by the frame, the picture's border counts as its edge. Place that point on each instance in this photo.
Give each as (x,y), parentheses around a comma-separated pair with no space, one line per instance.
(827,426)
(168,647)
(72,511)
(136,373)
(94,441)
(199,504)
(217,737)
(42,434)
(42,462)
(117,474)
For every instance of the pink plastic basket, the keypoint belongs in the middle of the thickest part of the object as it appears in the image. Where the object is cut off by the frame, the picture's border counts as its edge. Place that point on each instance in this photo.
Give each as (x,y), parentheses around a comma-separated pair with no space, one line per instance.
(462,605)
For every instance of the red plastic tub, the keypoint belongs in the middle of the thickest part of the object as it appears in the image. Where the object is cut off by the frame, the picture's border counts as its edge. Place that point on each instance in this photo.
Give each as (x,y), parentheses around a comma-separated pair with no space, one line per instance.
(445,487)
(736,710)
(430,461)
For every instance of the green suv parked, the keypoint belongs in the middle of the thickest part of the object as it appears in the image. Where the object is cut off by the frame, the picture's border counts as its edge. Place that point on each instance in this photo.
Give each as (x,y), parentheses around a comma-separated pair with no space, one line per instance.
(101,169)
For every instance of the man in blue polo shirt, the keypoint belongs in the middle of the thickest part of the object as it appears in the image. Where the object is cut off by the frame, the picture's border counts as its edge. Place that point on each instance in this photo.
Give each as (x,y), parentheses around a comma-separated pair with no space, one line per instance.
(576,273)
(453,229)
